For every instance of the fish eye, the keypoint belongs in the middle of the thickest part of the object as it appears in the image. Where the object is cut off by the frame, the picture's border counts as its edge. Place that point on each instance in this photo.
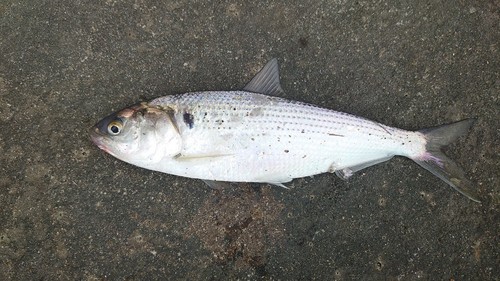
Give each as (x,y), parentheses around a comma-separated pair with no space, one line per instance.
(115,127)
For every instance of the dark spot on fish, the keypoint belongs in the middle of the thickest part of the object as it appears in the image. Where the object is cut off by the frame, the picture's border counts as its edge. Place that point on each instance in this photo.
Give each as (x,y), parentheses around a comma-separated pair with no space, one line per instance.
(336,135)
(303,131)
(188,119)
(286,150)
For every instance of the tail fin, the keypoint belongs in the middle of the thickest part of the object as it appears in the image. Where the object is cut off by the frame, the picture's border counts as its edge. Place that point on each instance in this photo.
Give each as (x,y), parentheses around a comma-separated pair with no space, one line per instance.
(435,161)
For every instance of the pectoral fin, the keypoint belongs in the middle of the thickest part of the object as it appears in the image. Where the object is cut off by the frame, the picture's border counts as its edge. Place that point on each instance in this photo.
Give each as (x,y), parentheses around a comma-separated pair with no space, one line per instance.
(192,157)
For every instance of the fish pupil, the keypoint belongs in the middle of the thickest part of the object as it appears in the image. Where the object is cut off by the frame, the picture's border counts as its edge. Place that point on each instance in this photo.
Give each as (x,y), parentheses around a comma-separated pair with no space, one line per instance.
(115,129)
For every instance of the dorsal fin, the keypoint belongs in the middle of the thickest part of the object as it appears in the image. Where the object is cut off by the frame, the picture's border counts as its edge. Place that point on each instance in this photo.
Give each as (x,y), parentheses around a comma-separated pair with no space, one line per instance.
(267,81)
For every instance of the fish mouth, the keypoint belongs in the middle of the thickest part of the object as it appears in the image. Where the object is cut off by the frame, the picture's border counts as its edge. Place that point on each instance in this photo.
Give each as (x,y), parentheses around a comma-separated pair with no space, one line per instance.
(98,138)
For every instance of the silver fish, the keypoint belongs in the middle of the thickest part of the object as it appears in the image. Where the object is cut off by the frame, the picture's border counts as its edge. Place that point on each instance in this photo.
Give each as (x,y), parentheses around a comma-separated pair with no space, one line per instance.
(253,136)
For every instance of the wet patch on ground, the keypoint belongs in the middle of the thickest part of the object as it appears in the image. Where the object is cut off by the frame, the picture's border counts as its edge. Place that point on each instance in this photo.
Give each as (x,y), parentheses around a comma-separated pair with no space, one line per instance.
(239,225)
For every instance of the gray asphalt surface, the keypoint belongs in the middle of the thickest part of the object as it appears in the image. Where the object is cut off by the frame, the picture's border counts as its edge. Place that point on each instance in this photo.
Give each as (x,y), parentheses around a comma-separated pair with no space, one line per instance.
(68,211)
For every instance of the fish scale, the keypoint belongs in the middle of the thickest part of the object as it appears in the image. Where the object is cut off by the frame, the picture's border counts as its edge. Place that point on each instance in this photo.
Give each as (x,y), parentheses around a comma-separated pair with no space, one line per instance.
(252,135)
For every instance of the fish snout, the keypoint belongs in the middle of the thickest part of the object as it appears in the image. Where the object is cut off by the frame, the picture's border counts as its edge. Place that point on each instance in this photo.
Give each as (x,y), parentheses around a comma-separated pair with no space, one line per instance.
(97,137)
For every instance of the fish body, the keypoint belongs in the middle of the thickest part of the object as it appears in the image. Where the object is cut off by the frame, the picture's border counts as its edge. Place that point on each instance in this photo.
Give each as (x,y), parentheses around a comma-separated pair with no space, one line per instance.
(253,136)
(248,137)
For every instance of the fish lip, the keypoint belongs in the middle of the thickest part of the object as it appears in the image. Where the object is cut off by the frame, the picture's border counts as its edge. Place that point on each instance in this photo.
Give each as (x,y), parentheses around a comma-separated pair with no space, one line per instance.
(96,137)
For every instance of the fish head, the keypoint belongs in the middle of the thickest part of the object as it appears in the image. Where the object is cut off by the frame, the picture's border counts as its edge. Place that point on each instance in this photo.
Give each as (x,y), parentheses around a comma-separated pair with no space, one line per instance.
(141,135)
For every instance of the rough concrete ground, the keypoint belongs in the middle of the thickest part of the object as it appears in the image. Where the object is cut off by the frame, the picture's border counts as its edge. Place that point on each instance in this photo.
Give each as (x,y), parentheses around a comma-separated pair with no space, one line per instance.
(70,212)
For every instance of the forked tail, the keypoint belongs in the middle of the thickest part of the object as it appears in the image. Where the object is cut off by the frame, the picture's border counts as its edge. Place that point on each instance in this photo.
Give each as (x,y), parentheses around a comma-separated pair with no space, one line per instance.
(435,161)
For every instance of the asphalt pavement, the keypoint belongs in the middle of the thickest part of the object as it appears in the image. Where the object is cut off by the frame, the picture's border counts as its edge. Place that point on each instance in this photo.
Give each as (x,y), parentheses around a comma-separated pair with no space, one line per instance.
(68,211)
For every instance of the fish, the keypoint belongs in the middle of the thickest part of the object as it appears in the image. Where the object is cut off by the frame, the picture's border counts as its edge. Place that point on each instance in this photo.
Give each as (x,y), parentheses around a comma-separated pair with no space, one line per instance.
(254,135)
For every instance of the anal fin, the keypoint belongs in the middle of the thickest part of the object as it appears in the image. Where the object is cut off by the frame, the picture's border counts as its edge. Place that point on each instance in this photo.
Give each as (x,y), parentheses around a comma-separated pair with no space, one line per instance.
(349,171)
